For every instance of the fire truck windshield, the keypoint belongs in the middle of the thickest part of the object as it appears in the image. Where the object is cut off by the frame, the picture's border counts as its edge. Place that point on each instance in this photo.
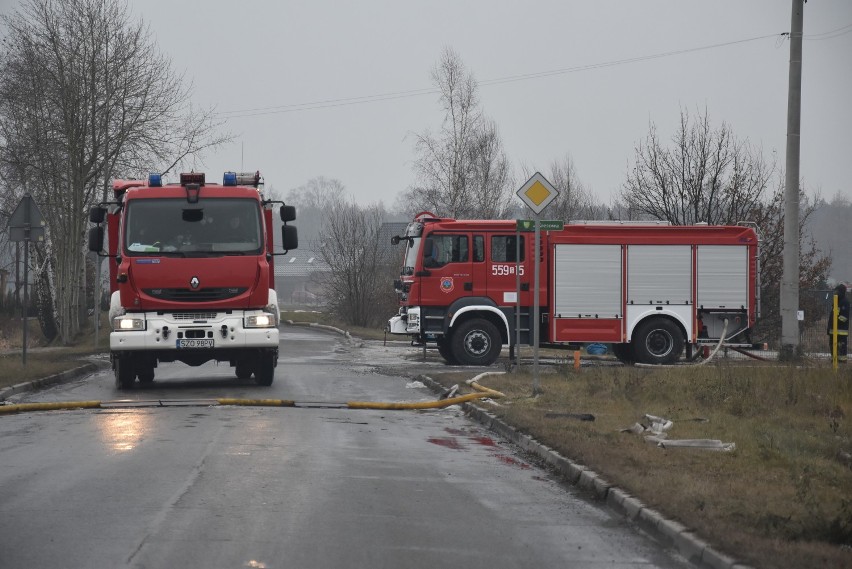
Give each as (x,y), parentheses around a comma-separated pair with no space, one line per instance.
(411,252)
(219,226)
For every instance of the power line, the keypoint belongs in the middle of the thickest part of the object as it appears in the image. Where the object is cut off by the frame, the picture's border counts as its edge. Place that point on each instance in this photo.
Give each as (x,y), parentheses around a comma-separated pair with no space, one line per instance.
(348,101)
(829,35)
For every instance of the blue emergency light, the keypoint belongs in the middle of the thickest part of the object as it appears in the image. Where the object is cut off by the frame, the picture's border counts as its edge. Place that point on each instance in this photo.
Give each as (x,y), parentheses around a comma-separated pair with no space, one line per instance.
(155,180)
(230,179)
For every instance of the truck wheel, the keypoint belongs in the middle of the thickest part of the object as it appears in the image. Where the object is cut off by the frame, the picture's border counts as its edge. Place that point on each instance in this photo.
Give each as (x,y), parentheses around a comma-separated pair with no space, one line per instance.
(124,373)
(657,341)
(476,342)
(243,371)
(445,348)
(624,353)
(264,373)
(146,375)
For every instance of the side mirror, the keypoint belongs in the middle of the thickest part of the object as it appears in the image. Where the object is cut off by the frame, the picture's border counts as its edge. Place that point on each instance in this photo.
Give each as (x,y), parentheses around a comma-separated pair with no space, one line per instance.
(96,215)
(96,238)
(287,213)
(395,240)
(289,237)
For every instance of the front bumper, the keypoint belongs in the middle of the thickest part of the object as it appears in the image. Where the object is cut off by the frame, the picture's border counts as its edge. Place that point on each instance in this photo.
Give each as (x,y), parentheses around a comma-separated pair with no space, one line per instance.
(165,332)
(406,322)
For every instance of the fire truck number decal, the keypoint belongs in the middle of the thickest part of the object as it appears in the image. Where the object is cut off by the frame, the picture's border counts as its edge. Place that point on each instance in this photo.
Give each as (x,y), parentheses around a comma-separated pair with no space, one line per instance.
(505,270)
(447,284)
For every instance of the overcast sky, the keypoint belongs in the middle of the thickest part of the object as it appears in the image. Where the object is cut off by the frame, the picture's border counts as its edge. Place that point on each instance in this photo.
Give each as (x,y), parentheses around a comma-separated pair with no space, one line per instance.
(291,58)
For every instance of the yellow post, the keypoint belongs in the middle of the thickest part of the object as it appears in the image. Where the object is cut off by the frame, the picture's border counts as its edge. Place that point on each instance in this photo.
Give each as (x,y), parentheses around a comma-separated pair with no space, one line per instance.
(835,313)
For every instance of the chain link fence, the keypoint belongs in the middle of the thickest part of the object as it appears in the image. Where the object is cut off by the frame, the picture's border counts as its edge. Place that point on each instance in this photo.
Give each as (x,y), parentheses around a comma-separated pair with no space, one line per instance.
(815,305)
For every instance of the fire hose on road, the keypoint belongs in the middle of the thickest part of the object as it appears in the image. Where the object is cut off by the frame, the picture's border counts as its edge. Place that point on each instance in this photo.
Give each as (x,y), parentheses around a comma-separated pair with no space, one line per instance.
(481,393)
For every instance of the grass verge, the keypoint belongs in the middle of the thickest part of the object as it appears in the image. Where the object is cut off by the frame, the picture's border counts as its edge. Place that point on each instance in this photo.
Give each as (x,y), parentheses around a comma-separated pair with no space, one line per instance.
(42,360)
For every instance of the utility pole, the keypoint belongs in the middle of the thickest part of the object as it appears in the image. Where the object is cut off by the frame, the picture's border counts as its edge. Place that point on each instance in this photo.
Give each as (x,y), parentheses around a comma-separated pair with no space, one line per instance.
(790,348)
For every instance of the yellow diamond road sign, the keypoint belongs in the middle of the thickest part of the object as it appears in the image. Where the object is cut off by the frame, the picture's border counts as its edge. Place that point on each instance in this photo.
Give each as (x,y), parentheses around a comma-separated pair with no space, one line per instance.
(537,193)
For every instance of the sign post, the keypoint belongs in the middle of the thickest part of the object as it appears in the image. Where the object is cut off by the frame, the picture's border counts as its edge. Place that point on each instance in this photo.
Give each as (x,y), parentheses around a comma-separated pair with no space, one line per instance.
(26,224)
(537,193)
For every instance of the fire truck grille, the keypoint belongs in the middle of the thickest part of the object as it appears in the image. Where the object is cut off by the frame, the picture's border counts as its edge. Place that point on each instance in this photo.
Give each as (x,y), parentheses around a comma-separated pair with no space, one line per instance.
(189,295)
(194,315)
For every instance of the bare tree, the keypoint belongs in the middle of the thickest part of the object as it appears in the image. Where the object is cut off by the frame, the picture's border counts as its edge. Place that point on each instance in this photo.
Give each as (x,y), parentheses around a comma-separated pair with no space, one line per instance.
(313,200)
(462,171)
(705,175)
(830,225)
(814,265)
(317,192)
(85,95)
(361,267)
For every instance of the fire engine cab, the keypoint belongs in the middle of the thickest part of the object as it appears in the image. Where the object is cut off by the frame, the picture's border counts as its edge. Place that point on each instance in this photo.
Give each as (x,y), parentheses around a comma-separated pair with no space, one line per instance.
(191,274)
(650,290)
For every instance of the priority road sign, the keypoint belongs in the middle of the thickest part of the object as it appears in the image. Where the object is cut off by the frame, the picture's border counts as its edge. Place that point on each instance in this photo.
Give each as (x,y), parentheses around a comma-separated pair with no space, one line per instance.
(26,223)
(537,193)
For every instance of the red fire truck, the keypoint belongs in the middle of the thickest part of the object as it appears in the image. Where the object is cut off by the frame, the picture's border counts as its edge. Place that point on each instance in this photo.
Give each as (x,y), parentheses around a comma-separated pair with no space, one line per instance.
(192,275)
(650,290)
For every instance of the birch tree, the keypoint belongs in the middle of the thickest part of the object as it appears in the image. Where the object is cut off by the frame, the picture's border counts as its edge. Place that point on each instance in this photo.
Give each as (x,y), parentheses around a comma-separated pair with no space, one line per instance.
(85,95)
(462,170)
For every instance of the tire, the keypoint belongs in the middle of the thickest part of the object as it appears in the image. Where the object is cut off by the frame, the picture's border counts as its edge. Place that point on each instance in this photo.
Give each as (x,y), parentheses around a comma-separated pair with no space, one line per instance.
(476,342)
(624,353)
(264,373)
(125,375)
(658,341)
(445,348)
(146,375)
(243,370)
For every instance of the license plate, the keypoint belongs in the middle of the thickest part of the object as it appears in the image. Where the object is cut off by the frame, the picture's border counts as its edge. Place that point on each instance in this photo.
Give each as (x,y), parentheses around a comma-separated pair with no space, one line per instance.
(193,343)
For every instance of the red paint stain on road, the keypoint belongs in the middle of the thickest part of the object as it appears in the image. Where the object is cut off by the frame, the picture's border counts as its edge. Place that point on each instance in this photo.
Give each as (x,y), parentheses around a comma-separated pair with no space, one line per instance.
(448,442)
(484,441)
(512,461)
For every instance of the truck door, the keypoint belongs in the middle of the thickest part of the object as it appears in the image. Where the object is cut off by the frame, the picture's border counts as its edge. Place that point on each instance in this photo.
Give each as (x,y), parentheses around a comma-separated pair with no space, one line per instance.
(502,269)
(446,270)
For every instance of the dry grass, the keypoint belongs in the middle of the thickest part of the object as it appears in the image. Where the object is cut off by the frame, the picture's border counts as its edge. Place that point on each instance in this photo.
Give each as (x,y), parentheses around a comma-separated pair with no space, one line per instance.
(42,360)
(782,499)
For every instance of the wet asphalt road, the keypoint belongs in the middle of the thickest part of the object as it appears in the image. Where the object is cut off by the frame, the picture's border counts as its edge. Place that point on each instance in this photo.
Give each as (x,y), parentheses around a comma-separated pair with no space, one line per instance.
(282,487)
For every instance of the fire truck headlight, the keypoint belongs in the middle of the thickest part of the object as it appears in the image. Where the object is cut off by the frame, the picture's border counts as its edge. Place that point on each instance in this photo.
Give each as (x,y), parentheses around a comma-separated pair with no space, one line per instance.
(127,323)
(265,320)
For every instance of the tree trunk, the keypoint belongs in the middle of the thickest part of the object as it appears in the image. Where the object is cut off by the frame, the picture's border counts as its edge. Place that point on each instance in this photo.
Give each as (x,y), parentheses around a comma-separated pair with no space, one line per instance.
(43,300)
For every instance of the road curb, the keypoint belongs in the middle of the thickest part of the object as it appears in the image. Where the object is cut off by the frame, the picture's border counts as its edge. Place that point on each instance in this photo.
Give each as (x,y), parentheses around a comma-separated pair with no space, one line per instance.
(55,379)
(669,532)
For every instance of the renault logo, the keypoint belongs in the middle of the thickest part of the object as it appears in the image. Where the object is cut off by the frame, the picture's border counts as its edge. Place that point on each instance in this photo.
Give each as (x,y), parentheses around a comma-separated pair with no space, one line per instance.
(194,282)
